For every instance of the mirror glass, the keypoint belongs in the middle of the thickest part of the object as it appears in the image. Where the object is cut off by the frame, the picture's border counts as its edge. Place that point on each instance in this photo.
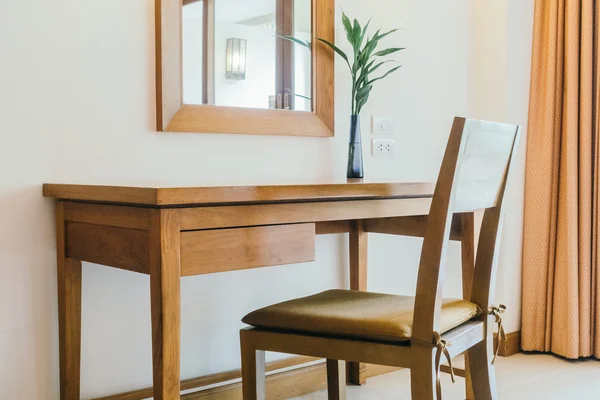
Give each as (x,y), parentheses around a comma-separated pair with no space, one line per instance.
(233,53)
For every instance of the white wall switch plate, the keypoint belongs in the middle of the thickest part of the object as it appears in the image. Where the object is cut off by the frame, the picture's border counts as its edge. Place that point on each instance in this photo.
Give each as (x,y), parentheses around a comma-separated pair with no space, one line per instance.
(383,147)
(383,125)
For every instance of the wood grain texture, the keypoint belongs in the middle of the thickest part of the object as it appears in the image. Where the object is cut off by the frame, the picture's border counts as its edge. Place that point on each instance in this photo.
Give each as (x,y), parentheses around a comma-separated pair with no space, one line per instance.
(512,345)
(470,224)
(423,352)
(467,224)
(380,353)
(124,217)
(414,226)
(121,248)
(169,195)
(480,356)
(211,251)
(336,380)
(105,194)
(69,314)
(165,273)
(358,246)
(174,116)
(270,214)
(253,370)
(323,76)
(249,121)
(168,53)
(331,348)
(332,227)
(279,386)
(430,279)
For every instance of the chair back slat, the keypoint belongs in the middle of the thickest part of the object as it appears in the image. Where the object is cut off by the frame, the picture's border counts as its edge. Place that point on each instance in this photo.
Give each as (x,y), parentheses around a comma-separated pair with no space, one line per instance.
(483,164)
(472,177)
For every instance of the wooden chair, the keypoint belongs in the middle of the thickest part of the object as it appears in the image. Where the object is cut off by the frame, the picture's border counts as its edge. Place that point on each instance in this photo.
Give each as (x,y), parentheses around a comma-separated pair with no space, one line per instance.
(401,331)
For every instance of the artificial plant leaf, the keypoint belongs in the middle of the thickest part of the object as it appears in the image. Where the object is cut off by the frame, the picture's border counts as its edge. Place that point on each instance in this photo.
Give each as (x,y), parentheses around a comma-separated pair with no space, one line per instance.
(376,67)
(375,41)
(364,32)
(365,69)
(356,34)
(387,33)
(337,50)
(388,51)
(371,44)
(363,92)
(346,22)
(384,75)
(360,104)
(347,26)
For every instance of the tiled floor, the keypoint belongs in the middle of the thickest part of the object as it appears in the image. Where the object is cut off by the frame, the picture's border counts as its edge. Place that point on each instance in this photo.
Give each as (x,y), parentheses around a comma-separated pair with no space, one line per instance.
(520,377)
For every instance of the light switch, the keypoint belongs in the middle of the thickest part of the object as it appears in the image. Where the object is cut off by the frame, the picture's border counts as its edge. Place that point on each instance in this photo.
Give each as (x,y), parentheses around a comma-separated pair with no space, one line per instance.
(383,125)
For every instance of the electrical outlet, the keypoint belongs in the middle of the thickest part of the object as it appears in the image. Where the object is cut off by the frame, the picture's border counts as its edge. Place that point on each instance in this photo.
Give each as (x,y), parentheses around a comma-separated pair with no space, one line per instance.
(383,147)
(383,126)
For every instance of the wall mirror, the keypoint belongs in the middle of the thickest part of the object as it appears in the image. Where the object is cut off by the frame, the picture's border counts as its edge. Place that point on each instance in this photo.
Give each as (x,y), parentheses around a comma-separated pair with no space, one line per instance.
(223,67)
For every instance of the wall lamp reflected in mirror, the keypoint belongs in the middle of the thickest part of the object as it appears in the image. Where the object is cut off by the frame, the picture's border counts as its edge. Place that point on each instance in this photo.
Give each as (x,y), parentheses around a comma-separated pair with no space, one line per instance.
(235,65)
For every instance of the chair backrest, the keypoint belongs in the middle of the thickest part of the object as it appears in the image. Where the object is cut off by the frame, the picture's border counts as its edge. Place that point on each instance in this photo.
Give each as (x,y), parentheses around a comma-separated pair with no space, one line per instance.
(472,177)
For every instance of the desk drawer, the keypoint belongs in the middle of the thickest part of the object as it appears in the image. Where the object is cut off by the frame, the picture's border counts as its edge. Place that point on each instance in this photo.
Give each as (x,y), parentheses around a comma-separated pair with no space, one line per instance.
(220,250)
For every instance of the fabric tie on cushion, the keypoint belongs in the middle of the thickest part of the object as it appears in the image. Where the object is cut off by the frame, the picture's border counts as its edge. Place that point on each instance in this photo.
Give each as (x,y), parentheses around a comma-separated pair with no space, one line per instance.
(497,312)
(442,349)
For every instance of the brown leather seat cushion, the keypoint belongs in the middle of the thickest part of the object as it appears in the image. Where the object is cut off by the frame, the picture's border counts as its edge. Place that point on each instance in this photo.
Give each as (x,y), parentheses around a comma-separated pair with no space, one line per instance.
(363,315)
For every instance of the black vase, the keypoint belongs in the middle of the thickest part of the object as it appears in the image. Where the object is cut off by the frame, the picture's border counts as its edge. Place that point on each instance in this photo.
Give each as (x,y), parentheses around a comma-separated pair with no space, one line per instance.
(355,159)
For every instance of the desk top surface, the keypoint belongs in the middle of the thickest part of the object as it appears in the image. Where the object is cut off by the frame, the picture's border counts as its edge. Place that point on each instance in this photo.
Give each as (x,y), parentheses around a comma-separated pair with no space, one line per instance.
(194,193)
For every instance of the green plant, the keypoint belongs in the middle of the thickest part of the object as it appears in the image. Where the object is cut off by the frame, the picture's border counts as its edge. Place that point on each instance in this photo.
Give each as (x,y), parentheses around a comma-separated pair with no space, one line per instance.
(366,59)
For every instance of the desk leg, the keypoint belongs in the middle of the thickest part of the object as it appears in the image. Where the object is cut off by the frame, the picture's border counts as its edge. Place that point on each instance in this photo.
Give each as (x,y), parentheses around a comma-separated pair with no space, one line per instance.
(69,314)
(470,226)
(358,281)
(165,274)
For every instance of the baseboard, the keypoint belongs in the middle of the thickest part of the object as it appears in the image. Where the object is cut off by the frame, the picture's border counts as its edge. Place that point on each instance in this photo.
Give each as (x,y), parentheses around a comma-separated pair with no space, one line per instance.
(286,384)
(279,386)
(511,346)
(302,380)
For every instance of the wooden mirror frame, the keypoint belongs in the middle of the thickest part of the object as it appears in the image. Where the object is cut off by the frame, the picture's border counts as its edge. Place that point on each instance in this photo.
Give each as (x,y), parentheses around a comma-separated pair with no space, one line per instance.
(174,116)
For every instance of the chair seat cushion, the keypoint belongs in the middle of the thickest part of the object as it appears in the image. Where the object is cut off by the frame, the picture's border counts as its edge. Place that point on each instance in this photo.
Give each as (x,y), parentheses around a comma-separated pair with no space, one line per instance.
(362,315)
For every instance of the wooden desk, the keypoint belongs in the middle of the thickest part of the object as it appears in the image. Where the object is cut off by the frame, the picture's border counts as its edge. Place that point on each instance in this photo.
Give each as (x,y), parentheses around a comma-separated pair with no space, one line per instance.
(171,232)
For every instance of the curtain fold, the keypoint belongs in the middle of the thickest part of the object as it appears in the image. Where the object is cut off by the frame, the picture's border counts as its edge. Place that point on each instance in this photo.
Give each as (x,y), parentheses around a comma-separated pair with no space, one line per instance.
(561,309)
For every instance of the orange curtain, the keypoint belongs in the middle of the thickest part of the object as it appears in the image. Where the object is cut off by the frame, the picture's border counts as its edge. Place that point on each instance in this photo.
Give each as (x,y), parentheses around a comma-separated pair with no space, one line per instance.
(561,302)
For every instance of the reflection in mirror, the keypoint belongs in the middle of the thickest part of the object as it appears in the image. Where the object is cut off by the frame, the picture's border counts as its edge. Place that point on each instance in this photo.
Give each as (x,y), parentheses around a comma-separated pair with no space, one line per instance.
(233,53)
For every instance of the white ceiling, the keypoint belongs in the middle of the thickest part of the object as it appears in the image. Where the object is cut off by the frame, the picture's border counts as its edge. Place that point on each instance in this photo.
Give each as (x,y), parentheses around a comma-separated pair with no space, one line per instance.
(235,11)
(232,10)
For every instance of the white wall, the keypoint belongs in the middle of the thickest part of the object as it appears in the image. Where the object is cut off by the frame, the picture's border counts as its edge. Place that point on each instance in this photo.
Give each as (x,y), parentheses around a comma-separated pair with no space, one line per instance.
(499,70)
(192,65)
(253,91)
(77,105)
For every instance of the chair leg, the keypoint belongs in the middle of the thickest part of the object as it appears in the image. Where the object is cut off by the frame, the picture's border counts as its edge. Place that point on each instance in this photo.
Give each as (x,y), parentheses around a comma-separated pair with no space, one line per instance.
(253,371)
(482,371)
(336,380)
(422,373)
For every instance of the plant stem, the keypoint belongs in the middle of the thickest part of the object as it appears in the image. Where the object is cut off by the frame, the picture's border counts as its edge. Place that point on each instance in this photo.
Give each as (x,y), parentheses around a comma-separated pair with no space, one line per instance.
(353,95)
